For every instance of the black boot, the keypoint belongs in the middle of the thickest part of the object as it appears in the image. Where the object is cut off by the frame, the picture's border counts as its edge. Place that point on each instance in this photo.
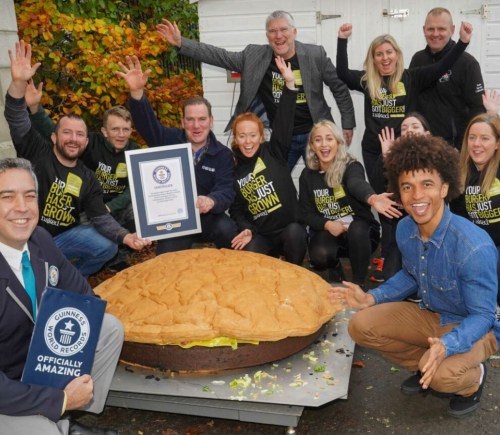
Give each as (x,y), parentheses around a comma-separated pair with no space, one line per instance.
(76,428)
(336,273)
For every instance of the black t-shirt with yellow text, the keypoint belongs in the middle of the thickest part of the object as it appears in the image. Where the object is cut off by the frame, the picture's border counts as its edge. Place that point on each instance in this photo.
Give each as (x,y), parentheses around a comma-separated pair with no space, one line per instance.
(271,89)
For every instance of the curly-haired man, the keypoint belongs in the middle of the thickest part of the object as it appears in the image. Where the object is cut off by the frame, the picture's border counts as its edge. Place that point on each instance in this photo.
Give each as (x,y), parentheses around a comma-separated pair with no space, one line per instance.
(451,263)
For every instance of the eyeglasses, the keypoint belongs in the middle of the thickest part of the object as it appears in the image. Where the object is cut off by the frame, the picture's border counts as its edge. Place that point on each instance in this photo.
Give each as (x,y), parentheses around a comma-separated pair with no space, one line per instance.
(118,130)
(274,32)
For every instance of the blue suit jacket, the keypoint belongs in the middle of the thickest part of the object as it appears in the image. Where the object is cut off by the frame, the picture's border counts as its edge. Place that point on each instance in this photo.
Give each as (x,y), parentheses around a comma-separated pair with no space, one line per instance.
(16,327)
(315,66)
(215,171)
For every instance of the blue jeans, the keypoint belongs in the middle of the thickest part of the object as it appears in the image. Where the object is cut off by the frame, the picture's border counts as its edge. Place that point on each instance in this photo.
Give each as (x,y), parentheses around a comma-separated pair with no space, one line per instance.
(86,248)
(297,149)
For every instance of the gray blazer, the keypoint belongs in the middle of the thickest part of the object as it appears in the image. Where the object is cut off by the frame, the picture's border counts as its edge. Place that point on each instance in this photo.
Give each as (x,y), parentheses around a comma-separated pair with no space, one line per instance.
(315,66)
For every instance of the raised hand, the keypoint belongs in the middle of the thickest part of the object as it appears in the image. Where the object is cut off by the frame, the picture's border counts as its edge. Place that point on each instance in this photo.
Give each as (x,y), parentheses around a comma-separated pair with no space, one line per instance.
(345,30)
(286,72)
(491,101)
(170,32)
(21,69)
(20,62)
(134,76)
(33,96)
(386,138)
(465,32)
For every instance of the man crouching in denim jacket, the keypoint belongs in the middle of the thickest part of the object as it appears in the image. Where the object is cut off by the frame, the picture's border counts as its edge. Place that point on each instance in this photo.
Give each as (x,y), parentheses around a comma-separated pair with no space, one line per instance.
(451,263)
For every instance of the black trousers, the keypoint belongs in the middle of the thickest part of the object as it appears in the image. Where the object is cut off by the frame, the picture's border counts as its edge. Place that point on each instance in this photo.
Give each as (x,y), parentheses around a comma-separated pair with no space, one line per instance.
(291,242)
(358,243)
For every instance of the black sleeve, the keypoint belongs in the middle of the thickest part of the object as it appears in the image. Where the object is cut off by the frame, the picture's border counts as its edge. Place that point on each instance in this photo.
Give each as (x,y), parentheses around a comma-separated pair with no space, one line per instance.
(28,142)
(106,225)
(149,126)
(352,78)
(474,84)
(237,211)
(355,182)
(308,212)
(283,124)
(457,206)
(425,76)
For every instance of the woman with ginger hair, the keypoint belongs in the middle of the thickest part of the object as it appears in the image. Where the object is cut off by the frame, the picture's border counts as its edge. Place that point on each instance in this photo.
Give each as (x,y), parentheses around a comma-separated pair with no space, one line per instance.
(266,208)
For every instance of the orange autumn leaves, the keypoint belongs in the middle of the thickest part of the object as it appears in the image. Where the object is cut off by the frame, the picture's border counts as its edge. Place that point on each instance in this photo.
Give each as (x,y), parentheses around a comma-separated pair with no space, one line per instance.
(79,58)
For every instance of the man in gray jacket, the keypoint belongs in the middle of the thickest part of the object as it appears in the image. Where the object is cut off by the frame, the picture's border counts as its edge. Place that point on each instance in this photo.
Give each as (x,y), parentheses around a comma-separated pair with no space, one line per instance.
(260,77)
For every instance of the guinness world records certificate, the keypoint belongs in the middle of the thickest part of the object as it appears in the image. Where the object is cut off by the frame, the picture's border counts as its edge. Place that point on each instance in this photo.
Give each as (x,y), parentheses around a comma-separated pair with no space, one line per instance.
(163,191)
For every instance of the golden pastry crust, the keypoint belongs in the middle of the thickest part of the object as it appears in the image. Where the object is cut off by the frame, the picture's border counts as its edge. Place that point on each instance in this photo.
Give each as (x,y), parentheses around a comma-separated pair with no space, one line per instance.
(200,294)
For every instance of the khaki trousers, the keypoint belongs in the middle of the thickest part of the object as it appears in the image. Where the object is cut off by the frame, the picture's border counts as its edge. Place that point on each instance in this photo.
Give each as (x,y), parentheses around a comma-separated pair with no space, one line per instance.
(399,330)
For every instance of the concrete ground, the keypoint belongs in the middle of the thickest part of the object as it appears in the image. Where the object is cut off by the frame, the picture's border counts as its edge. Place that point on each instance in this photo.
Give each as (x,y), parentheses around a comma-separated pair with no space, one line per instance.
(374,405)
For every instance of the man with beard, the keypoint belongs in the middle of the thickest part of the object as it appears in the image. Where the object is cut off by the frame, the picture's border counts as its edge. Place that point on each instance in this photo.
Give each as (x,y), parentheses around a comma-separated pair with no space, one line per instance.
(67,187)
(104,154)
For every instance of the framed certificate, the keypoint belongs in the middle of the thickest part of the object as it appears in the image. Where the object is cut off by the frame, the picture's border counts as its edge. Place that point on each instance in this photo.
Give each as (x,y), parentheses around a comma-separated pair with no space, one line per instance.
(163,191)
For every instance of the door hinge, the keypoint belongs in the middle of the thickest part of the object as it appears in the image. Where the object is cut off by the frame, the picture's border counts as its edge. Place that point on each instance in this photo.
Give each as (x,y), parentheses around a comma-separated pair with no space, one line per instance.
(483,11)
(320,17)
(396,13)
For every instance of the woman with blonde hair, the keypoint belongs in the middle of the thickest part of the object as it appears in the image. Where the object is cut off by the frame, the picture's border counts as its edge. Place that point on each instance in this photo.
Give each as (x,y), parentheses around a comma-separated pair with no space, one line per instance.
(390,92)
(335,201)
(480,177)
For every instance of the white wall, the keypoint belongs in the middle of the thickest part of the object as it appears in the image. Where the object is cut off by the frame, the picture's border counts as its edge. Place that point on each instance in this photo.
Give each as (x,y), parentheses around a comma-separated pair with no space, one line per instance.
(232,24)
(491,47)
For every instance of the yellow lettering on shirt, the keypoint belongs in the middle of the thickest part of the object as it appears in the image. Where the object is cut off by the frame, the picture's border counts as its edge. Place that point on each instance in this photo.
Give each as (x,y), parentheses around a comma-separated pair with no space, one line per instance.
(121,170)
(73,185)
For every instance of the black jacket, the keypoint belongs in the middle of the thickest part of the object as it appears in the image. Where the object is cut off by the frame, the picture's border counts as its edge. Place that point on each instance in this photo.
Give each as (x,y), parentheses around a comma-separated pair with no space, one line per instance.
(266,198)
(453,100)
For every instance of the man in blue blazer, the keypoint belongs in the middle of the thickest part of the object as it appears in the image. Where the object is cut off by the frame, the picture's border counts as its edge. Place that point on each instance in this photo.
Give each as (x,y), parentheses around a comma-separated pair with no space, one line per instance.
(27,408)
(261,79)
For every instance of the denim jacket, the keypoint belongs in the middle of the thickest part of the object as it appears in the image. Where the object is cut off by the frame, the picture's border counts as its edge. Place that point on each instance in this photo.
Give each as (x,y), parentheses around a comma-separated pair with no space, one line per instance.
(454,272)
